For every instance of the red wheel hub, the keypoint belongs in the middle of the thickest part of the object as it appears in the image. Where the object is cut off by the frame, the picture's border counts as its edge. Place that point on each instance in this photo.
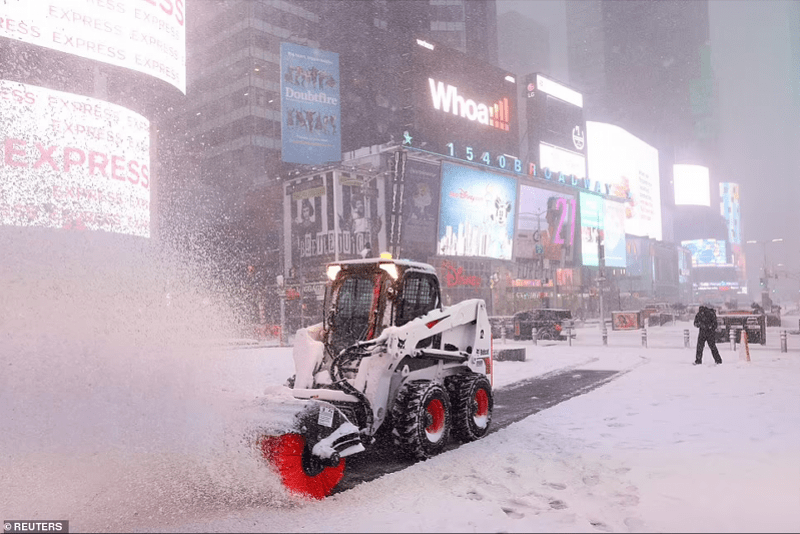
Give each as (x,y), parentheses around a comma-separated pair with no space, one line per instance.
(481,403)
(436,416)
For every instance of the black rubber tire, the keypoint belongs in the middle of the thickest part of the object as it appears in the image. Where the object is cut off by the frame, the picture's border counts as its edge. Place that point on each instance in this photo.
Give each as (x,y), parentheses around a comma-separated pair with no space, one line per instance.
(473,402)
(415,433)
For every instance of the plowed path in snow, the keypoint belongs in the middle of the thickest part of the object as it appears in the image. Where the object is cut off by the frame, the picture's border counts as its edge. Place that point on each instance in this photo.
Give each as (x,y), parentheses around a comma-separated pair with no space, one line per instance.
(511,404)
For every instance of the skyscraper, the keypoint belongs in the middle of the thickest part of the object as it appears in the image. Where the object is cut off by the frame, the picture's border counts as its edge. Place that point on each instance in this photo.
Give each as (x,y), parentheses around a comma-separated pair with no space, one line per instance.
(637,64)
(230,121)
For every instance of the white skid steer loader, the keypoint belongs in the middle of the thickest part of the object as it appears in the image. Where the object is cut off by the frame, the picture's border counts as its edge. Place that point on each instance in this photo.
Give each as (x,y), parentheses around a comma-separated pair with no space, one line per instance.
(389,358)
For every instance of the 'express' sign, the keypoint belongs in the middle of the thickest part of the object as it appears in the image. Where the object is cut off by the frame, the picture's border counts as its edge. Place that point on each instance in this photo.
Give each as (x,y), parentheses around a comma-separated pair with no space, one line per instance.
(147,36)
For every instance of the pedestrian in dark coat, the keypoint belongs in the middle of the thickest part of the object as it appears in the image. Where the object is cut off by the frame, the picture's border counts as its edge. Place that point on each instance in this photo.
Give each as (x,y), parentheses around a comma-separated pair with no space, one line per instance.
(706,322)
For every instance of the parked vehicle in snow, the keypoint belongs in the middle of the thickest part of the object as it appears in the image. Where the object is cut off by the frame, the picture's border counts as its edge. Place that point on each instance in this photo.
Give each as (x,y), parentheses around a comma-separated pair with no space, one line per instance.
(550,323)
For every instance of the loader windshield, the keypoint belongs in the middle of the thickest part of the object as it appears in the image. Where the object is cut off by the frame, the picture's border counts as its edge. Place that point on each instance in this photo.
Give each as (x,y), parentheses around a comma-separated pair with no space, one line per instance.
(354,309)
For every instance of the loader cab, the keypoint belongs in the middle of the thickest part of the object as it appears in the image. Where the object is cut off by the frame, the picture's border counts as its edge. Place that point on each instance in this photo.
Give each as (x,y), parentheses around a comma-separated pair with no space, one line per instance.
(365,296)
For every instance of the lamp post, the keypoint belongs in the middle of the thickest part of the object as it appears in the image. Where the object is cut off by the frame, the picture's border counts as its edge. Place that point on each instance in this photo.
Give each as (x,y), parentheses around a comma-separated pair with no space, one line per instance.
(766,302)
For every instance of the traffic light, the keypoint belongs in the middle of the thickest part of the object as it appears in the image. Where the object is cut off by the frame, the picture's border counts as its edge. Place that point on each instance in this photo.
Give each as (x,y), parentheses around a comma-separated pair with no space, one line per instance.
(763,282)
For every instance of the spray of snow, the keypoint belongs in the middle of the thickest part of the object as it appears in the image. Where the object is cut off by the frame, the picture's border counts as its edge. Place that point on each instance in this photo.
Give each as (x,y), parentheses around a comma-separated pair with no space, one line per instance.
(115,411)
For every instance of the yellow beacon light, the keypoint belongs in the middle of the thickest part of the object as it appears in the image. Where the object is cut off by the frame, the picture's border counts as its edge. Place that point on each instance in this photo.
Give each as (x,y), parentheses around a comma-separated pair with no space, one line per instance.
(386,255)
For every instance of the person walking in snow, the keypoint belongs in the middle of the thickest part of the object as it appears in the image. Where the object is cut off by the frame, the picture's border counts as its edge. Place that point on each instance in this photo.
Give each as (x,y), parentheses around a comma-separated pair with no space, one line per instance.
(706,322)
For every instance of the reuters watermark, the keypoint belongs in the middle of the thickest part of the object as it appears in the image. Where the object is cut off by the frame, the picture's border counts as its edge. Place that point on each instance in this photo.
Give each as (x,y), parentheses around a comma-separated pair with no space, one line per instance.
(33,526)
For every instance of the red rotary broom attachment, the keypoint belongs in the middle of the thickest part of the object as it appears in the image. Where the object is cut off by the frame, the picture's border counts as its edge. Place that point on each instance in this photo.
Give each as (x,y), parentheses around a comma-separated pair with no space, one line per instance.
(300,471)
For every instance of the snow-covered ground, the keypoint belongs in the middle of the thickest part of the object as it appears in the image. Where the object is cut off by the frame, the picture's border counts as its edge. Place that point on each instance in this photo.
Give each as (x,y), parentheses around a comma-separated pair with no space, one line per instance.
(151,445)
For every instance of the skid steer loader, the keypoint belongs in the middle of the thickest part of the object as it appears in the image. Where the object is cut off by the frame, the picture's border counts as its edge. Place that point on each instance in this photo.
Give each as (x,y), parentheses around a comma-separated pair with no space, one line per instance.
(388,359)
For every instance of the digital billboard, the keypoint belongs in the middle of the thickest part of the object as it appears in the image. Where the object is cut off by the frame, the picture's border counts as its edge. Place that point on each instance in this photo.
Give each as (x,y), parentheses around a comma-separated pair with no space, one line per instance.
(630,166)
(546,224)
(147,36)
(310,105)
(602,219)
(691,185)
(707,252)
(420,210)
(72,162)
(729,208)
(556,127)
(476,217)
(459,106)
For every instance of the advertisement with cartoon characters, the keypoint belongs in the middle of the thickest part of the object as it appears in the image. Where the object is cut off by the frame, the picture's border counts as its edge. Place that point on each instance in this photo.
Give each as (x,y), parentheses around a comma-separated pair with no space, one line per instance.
(476,217)
(420,210)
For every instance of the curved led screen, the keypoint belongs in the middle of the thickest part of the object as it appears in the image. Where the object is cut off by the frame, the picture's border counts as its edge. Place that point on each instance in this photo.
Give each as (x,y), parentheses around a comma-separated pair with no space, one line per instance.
(630,167)
(72,162)
(147,36)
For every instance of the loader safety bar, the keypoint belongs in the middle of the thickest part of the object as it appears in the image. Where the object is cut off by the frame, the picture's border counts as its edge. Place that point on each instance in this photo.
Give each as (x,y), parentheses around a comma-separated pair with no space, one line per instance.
(443,355)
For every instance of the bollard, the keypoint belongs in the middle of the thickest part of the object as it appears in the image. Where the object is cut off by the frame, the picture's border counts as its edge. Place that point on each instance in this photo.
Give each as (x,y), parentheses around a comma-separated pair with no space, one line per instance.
(732,335)
(784,347)
(503,333)
(644,337)
(569,334)
(534,335)
(686,338)
(605,335)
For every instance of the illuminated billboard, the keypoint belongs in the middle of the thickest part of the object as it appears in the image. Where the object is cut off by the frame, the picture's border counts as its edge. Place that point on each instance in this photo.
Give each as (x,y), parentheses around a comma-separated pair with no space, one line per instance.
(476,217)
(629,166)
(556,127)
(691,185)
(459,106)
(729,208)
(546,224)
(147,36)
(707,252)
(602,219)
(310,105)
(72,162)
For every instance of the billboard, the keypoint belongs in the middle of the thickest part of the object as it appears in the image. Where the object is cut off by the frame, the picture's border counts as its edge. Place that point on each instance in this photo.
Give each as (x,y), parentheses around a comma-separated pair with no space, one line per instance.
(630,166)
(145,36)
(72,162)
(420,210)
(332,216)
(476,217)
(459,106)
(602,219)
(310,105)
(556,127)
(729,208)
(707,252)
(691,185)
(546,224)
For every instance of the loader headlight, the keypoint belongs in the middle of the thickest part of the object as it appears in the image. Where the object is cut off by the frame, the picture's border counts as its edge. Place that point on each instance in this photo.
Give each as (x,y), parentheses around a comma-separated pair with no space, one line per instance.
(390,268)
(332,271)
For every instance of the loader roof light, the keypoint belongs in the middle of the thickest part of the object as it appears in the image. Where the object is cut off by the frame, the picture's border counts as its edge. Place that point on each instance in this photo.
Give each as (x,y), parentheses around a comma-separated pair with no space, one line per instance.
(386,255)
(332,271)
(390,268)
